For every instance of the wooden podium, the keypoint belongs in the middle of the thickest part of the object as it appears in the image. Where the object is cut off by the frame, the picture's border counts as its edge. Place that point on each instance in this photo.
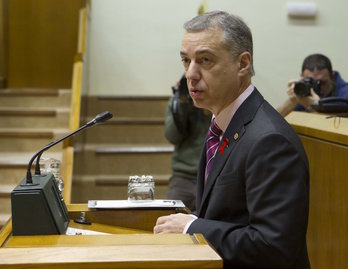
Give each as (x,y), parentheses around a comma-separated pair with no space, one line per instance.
(129,243)
(325,139)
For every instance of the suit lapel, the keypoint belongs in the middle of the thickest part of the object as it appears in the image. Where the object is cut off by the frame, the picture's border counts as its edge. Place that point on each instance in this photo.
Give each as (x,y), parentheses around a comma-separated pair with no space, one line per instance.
(234,133)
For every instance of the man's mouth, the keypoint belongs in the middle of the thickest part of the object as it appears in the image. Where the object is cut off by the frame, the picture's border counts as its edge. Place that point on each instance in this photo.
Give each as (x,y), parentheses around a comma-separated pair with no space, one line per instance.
(195,92)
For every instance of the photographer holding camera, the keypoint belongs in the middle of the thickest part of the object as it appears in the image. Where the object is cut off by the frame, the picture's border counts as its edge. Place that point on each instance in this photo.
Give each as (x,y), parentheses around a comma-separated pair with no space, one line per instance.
(318,80)
(186,128)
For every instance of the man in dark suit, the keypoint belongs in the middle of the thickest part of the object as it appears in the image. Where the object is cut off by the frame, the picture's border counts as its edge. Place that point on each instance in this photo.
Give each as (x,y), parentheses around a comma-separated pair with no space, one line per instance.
(252,194)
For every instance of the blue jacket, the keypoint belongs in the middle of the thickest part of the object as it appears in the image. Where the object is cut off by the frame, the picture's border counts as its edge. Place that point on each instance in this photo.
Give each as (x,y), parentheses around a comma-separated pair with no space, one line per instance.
(340,91)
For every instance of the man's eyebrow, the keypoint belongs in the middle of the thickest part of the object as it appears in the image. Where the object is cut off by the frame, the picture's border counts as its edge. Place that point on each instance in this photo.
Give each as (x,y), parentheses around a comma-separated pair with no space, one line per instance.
(182,53)
(202,51)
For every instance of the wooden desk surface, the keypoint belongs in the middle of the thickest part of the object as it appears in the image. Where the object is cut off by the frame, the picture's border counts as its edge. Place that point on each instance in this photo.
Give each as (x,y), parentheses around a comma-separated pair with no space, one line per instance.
(327,127)
(124,247)
(109,251)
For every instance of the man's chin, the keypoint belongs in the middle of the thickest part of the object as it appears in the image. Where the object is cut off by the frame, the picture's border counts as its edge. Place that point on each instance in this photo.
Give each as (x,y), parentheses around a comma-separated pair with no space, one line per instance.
(198,103)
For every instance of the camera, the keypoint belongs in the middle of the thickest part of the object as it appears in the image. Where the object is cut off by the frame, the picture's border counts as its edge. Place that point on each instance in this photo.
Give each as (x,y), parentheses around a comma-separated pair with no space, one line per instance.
(303,87)
(182,88)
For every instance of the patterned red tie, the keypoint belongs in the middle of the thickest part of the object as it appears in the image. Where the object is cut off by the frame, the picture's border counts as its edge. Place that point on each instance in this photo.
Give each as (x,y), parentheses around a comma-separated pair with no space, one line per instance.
(212,143)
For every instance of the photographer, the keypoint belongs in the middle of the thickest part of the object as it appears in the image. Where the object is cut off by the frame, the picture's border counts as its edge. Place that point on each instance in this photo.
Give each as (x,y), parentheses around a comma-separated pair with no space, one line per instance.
(186,128)
(318,80)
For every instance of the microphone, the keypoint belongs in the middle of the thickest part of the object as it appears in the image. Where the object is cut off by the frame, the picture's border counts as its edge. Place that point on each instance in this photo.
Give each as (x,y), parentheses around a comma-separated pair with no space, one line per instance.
(100,118)
(37,205)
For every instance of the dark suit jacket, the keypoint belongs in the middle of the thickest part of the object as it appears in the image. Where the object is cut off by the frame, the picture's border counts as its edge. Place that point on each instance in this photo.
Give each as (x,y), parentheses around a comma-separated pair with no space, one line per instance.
(254,207)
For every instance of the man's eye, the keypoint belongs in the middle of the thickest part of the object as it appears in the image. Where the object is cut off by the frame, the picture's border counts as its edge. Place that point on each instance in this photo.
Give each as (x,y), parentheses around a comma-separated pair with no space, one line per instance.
(206,60)
(185,61)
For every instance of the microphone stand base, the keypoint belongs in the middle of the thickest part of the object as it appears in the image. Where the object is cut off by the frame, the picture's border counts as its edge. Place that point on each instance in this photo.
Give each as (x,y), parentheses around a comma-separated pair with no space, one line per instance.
(37,208)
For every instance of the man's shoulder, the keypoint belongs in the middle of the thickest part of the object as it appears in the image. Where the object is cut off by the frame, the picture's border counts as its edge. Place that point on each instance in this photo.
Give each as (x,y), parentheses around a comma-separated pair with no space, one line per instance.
(267,120)
(341,86)
(342,91)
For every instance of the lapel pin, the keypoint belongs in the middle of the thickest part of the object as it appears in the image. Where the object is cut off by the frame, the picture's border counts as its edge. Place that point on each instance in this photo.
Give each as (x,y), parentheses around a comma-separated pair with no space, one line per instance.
(223,145)
(235,136)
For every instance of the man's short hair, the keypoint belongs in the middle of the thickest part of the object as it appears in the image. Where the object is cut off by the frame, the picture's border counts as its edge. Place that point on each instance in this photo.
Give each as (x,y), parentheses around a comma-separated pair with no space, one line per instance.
(236,35)
(317,61)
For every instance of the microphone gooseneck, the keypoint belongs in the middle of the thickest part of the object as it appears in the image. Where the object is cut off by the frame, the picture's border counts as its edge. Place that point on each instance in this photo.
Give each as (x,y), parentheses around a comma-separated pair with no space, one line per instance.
(100,118)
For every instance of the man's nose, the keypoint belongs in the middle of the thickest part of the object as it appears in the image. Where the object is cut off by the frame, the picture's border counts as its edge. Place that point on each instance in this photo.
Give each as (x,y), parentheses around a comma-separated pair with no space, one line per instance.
(193,72)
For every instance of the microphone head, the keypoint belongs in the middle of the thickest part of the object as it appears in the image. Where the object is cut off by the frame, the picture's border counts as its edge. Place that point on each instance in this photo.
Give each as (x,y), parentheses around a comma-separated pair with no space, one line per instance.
(102,117)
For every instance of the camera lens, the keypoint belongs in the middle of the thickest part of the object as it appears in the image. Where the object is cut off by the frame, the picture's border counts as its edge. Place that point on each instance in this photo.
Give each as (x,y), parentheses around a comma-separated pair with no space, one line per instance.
(302,89)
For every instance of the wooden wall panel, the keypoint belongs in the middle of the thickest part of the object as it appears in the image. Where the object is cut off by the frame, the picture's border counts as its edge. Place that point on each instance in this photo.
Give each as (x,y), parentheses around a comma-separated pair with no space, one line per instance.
(3,42)
(328,217)
(325,138)
(42,42)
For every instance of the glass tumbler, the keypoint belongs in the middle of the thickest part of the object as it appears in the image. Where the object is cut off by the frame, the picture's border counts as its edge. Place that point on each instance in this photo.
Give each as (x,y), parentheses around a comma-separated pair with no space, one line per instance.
(141,188)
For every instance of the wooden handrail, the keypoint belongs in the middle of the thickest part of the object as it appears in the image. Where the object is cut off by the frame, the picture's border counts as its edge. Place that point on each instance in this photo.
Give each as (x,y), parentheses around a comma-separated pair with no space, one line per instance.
(74,122)
(75,104)
(75,107)
(67,171)
(82,31)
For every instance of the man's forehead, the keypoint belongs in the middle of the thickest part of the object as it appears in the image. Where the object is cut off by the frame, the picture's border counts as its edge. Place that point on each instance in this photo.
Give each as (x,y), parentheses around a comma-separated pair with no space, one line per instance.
(317,73)
(201,42)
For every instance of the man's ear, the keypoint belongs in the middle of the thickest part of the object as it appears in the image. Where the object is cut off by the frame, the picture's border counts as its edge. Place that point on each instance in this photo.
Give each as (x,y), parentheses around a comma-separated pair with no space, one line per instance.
(244,63)
(333,75)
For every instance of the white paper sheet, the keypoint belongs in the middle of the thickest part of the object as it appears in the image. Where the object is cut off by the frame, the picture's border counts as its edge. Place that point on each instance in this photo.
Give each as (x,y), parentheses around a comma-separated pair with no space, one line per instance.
(135,204)
(76,231)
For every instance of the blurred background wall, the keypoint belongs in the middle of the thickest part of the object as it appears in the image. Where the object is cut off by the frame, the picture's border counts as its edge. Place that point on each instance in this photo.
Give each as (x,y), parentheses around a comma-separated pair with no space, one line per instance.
(133,46)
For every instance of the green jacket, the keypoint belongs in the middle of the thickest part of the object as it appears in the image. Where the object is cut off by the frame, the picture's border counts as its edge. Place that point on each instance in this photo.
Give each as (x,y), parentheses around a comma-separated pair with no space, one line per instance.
(187,147)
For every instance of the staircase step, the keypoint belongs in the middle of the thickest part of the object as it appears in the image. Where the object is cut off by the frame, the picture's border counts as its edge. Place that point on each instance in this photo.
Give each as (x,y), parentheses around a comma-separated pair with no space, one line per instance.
(3,219)
(128,106)
(13,165)
(30,119)
(26,111)
(29,92)
(5,190)
(126,130)
(123,159)
(35,97)
(111,187)
(15,117)
(32,132)
(25,132)
(116,180)
(28,139)
(130,143)
(134,149)
(13,174)
(138,120)
(5,205)
(22,158)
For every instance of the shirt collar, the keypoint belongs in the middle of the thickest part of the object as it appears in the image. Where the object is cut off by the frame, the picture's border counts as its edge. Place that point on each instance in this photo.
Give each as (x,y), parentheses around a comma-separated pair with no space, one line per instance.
(225,116)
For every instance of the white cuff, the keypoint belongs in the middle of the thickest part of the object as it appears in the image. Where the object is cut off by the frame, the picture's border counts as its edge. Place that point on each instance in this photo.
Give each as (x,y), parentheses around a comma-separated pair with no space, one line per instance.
(187,226)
